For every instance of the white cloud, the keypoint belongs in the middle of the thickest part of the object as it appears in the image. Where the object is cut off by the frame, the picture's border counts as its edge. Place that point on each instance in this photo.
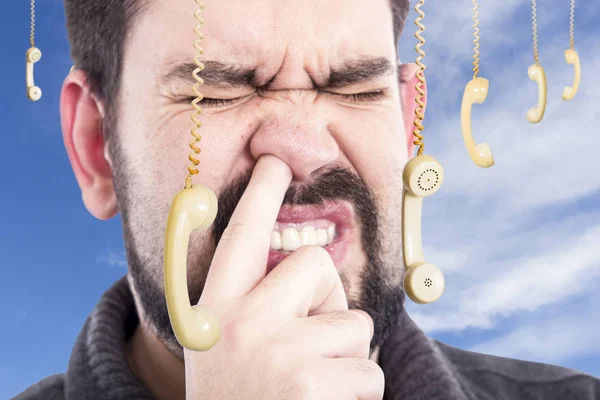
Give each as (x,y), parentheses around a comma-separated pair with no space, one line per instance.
(569,333)
(522,237)
(525,283)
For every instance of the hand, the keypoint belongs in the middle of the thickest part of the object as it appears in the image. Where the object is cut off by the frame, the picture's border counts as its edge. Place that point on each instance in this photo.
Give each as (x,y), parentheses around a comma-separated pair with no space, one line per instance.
(288,335)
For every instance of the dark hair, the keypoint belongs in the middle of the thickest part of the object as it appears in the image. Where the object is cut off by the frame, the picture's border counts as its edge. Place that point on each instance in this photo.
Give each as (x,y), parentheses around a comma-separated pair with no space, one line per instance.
(97,31)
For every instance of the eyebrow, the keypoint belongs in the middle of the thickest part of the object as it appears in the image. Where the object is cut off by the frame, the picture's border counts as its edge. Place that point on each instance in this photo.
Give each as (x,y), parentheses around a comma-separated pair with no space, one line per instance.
(224,75)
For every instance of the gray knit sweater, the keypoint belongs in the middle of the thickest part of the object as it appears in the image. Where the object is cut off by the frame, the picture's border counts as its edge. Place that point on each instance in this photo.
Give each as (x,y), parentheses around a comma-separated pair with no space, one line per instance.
(415,366)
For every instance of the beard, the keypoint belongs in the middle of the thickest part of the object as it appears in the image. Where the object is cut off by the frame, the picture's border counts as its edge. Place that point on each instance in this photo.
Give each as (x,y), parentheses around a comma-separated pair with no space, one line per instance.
(380,293)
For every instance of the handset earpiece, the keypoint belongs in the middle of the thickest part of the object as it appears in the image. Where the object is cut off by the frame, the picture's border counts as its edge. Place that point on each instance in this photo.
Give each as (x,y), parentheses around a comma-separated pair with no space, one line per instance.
(572,58)
(33,55)
(195,208)
(423,282)
(475,92)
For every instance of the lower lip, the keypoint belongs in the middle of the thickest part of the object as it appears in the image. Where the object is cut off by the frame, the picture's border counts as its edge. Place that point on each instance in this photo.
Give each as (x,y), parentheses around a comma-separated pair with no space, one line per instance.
(336,249)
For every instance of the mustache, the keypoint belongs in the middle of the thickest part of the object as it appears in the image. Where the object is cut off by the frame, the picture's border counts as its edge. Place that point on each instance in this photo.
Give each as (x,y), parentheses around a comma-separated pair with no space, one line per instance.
(331,183)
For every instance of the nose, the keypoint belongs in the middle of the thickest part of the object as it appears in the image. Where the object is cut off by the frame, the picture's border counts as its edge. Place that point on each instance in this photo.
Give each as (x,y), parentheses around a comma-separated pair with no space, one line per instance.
(295,128)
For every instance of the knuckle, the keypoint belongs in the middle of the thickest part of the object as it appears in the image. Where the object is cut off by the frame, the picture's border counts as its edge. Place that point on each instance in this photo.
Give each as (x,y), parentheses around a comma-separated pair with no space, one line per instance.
(367,368)
(234,231)
(237,334)
(363,323)
(350,320)
(274,352)
(343,318)
(303,383)
(270,356)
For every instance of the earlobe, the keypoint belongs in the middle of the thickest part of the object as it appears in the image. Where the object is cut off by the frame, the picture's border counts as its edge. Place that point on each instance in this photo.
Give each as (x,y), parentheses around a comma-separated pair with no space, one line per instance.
(81,120)
(407,81)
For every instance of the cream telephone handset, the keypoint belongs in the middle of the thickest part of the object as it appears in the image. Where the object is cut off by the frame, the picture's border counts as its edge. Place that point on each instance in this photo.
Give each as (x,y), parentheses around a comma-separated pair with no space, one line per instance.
(572,57)
(536,73)
(423,282)
(193,208)
(33,55)
(475,92)
(422,177)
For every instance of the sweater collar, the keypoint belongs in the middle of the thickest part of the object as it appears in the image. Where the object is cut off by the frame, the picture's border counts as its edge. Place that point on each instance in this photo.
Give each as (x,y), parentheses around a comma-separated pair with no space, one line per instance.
(413,365)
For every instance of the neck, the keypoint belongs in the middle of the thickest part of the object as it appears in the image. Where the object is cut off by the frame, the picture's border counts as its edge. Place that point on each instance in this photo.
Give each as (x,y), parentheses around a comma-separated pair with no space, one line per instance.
(155,366)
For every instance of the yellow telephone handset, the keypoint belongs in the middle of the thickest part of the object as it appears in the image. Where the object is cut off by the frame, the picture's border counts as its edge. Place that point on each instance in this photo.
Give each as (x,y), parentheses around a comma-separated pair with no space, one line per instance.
(572,58)
(475,92)
(32,56)
(536,73)
(193,208)
(422,176)
(196,328)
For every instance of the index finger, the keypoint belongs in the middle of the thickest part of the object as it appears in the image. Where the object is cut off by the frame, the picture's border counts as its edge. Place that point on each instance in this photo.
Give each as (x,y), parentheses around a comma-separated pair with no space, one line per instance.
(240,260)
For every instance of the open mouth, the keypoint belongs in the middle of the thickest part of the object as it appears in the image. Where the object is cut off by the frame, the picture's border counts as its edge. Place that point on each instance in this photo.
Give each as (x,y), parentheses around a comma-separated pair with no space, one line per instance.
(328,227)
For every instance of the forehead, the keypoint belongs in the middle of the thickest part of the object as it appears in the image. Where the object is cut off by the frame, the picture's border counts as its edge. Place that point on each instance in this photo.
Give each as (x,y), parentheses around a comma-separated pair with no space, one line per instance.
(264,34)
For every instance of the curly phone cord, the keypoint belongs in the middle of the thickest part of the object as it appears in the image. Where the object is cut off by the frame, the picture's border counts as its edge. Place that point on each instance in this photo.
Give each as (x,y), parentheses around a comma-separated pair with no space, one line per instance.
(32,35)
(476,40)
(535,45)
(192,170)
(571,22)
(421,84)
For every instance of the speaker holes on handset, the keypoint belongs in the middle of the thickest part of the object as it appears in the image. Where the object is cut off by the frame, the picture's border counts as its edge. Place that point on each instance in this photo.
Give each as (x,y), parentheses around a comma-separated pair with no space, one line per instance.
(428,180)
(428,282)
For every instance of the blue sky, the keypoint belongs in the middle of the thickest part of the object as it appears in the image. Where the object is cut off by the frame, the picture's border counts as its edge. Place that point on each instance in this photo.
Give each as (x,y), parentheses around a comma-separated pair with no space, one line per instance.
(518,243)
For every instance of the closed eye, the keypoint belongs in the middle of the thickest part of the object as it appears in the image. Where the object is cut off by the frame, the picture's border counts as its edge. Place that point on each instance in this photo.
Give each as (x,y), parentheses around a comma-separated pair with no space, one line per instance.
(365,96)
(210,103)
(354,97)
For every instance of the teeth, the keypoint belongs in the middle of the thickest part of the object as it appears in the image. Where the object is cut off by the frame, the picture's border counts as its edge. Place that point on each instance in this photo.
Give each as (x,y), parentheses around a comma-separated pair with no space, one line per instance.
(308,236)
(275,240)
(321,237)
(290,238)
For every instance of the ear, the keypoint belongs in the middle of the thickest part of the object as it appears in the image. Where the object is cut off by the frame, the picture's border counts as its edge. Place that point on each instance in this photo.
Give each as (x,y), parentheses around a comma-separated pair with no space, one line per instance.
(81,116)
(407,80)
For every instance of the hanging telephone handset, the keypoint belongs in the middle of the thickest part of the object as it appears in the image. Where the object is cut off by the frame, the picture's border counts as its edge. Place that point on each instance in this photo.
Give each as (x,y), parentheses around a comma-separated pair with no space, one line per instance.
(572,57)
(475,92)
(536,73)
(193,208)
(33,55)
(570,91)
(422,177)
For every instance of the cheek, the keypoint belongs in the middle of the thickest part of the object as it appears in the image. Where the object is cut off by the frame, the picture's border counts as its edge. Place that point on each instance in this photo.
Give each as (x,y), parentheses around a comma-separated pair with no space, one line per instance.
(222,144)
(375,146)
